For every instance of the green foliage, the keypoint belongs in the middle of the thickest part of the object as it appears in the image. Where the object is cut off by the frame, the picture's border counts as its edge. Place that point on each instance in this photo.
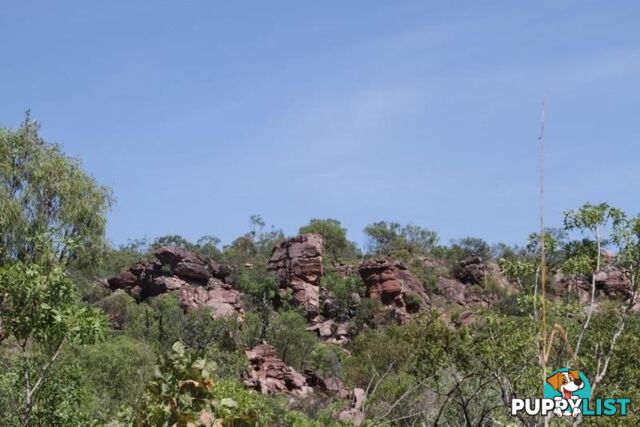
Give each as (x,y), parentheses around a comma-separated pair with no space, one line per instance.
(120,307)
(231,365)
(45,307)
(112,374)
(520,270)
(343,289)
(252,330)
(184,392)
(61,400)
(366,315)
(50,209)
(180,393)
(467,247)
(287,332)
(391,238)
(592,217)
(326,360)
(336,245)
(42,308)
(413,302)
(205,246)
(201,330)
(157,322)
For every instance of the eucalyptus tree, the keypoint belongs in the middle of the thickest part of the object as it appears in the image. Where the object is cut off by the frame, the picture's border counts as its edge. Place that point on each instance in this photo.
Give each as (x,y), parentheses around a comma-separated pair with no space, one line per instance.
(595,220)
(47,201)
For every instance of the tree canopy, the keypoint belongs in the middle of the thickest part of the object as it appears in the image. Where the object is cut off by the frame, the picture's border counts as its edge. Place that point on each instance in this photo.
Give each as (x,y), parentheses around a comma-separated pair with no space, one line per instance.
(49,206)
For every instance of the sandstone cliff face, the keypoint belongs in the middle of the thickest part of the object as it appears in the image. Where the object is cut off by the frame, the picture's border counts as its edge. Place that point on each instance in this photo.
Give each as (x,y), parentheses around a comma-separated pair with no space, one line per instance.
(297,263)
(196,282)
(390,282)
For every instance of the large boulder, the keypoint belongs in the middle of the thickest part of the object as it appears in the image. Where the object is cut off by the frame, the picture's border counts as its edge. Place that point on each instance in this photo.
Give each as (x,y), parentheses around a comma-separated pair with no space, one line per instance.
(390,282)
(219,296)
(297,263)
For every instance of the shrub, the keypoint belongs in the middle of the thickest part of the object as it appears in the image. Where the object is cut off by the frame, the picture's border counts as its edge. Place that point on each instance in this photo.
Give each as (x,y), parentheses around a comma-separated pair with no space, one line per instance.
(413,302)
(342,289)
(287,332)
(112,374)
(336,245)
(201,330)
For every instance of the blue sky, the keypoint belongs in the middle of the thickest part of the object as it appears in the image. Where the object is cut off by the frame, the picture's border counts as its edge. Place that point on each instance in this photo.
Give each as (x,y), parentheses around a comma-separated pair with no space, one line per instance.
(200,114)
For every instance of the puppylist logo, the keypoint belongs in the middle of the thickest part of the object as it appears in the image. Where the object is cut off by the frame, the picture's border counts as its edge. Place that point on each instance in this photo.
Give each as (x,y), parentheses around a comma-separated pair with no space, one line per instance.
(566,393)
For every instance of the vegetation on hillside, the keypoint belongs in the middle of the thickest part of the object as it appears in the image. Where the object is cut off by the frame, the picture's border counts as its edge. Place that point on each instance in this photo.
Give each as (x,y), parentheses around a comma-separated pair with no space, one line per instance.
(73,353)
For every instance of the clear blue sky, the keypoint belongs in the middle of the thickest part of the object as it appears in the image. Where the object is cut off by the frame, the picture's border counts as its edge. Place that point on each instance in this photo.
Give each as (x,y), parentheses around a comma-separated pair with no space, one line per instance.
(199,114)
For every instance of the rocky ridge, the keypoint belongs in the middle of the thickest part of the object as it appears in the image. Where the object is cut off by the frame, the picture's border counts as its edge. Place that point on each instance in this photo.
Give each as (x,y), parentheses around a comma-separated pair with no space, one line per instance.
(196,282)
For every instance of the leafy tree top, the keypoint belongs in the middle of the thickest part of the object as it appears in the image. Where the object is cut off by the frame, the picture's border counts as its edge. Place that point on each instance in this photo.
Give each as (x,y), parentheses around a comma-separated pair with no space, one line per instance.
(47,202)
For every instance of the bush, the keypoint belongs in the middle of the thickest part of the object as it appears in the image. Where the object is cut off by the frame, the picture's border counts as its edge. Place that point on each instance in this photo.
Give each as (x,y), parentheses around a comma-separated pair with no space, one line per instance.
(391,238)
(336,245)
(201,330)
(112,374)
(413,303)
(366,315)
(251,330)
(120,308)
(157,322)
(287,332)
(342,289)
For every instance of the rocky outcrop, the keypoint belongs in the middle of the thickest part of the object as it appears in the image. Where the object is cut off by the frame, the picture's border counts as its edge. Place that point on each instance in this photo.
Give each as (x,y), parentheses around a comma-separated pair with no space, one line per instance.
(297,263)
(611,282)
(471,270)
(391,282)
(353,414)
(196,282)
(270,375)
(219,296)
(457,292)
(329,330)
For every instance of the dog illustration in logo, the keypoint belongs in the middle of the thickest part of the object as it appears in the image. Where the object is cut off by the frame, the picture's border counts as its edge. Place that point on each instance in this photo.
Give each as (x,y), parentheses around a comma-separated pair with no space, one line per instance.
(566,383)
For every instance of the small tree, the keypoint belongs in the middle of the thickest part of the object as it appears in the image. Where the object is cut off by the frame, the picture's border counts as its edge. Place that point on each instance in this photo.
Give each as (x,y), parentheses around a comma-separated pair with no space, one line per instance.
(593,219)
(288,333)
(43,308)
(336,245)
(391,238)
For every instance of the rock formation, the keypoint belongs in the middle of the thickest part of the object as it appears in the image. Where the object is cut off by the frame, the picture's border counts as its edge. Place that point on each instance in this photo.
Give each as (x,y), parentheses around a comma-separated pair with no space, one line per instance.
(459,293)
(297,263)
(471,270)
(331,331)
(270,375)
(390,281)
(353,414)
(196,282)
(611,282)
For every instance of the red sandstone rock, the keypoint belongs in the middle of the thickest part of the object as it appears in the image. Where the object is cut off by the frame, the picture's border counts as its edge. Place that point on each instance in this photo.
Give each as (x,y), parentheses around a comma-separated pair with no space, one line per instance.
(297,263)
(390,281)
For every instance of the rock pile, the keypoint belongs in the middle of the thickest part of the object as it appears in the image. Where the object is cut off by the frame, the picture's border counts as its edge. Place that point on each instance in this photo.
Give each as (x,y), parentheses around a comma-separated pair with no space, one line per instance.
(353,414)
(270,375)
(611,282)
(457,292)
(331,331)
(391,282)
(196,282)
(297,263)
(472,270)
